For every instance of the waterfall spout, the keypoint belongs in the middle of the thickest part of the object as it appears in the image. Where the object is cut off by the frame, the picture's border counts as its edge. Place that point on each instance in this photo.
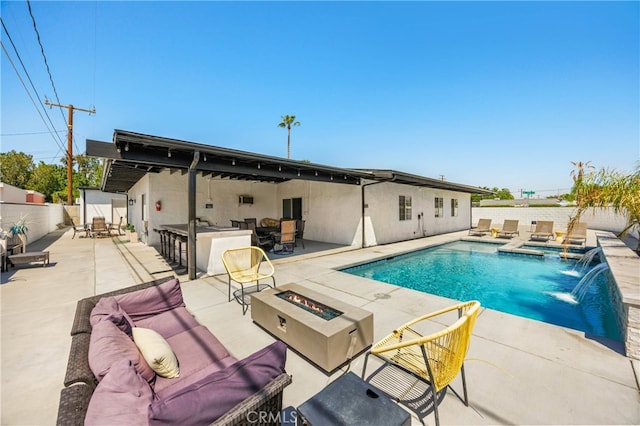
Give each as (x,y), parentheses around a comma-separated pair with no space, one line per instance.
(587,258)
(580,290)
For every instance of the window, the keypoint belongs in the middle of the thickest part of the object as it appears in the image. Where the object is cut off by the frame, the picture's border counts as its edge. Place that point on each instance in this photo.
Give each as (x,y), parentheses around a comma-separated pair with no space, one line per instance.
(454,207)
(439,207)
(292,208)
(404,207)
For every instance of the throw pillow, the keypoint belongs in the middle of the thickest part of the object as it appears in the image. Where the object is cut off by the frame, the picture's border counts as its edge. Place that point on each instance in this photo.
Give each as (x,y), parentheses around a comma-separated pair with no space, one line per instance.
(122,398)
(206,400)
(107,345)
(157,352)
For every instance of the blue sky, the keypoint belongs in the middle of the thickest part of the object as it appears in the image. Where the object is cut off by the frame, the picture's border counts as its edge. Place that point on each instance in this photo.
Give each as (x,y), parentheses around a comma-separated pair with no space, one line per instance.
(497,94)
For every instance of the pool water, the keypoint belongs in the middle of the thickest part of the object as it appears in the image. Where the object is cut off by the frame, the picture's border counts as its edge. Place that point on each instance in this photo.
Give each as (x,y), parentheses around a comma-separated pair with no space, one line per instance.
(535,287)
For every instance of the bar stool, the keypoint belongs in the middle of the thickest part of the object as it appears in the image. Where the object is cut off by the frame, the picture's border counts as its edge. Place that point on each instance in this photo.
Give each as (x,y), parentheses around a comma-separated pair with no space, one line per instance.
(161,240)
(164,240)
(182,239)
(172,246)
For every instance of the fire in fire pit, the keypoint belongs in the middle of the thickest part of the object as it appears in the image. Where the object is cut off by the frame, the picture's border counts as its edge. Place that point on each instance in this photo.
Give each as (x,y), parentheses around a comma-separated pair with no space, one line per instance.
(319,309)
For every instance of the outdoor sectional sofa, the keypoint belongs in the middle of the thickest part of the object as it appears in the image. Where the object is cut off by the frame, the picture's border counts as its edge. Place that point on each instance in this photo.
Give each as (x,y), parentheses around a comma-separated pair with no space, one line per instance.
(108,380)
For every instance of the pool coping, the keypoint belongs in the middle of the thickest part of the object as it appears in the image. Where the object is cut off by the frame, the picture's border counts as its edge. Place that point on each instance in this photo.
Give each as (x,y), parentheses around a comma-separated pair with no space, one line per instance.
(624,265)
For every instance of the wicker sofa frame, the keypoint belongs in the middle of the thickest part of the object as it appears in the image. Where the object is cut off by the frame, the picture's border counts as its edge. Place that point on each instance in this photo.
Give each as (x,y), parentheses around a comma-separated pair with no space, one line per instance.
(80,382)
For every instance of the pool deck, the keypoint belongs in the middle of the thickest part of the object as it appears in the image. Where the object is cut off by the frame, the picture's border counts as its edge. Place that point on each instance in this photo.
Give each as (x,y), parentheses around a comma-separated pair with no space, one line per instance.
(519,371)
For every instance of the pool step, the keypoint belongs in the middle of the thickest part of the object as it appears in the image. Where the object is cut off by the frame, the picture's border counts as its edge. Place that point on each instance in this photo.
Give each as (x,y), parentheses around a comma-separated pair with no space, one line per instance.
(515,247)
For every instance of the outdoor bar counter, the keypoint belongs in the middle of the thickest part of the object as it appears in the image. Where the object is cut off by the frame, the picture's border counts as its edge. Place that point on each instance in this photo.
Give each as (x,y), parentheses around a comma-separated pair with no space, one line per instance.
(211,241)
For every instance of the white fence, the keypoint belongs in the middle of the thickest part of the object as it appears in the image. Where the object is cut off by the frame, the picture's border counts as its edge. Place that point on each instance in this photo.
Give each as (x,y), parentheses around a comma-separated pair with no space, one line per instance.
(600,219)
(40,218)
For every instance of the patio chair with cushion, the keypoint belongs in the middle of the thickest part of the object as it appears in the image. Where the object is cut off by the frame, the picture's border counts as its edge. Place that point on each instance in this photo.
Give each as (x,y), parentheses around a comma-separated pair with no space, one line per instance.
(99,226)
(116,227)
(265,242)
(434,360)
(80,229)
(287,238)
(300,231)
(543,231)
(484,227)
(246,265)
(509,229)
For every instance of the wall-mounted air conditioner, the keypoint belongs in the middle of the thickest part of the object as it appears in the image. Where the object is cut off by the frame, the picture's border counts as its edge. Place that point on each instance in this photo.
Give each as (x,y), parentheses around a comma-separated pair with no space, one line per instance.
(246,199)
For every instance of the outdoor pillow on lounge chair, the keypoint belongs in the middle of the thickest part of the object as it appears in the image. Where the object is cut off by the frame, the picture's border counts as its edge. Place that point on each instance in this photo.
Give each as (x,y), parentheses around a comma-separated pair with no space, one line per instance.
(509,229)
(484,227)
(543,231)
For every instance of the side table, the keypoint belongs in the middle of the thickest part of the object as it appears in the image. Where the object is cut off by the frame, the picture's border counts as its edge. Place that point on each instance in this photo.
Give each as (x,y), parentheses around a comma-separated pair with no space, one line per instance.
(349,400)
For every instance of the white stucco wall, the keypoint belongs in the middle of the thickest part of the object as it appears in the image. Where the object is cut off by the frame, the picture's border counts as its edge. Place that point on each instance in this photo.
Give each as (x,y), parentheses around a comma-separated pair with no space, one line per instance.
(40,218)
(332,211)
(601,219)
(383,209)
(95,203)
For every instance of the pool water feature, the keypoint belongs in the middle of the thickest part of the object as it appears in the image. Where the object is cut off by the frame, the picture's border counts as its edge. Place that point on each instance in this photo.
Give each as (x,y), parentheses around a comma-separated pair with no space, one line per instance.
(527,286)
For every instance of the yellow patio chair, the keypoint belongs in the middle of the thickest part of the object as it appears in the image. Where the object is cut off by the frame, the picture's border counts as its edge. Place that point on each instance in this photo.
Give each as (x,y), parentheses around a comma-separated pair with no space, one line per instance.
(246,265)
(435,359)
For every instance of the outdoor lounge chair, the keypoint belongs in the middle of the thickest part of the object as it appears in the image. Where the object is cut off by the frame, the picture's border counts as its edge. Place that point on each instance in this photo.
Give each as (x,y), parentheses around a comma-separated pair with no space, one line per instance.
(509,229)
(434,360)
(246,265)
(578,234)
(484,227)
(543,231)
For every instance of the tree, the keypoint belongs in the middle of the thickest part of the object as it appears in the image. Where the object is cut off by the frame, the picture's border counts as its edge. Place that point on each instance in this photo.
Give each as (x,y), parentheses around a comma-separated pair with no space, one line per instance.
(16,168)
(48,179)
(287,122)
(607,189)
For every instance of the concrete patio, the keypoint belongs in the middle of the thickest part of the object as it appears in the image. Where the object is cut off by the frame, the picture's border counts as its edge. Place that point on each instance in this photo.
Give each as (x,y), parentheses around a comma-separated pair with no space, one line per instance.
(519,371)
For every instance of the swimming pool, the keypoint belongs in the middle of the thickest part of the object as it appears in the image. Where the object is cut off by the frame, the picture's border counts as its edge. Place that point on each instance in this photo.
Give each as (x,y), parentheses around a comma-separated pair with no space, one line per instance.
(529,286)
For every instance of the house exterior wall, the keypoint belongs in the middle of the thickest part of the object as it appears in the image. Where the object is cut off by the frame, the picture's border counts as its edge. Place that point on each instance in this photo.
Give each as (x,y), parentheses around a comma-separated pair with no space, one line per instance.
(332,211)
(383,210)
(95,203)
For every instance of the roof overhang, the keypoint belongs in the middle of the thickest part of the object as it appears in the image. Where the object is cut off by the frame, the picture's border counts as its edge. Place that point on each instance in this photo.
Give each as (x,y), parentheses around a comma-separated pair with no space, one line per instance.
(132,155)
(415,180)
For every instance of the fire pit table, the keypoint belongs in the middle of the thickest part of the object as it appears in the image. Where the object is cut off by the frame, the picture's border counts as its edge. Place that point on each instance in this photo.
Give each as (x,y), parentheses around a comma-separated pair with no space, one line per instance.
(326,331)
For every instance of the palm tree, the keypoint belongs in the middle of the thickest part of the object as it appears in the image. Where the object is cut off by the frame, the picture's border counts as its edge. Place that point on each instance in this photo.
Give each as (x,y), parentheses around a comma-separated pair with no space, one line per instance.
(608,189)
(287,121)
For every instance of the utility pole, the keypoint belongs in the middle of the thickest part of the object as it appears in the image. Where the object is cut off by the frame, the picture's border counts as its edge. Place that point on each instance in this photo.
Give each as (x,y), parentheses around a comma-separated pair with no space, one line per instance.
(70,108)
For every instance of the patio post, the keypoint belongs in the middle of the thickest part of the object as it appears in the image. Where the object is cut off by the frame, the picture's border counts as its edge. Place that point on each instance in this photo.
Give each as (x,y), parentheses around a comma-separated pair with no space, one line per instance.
(191,245)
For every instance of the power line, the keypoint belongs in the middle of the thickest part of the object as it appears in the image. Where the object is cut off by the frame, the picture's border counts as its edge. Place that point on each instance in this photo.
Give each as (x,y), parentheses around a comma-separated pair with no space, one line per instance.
(30,133)
(15,49)
(27,90)
(55,91)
